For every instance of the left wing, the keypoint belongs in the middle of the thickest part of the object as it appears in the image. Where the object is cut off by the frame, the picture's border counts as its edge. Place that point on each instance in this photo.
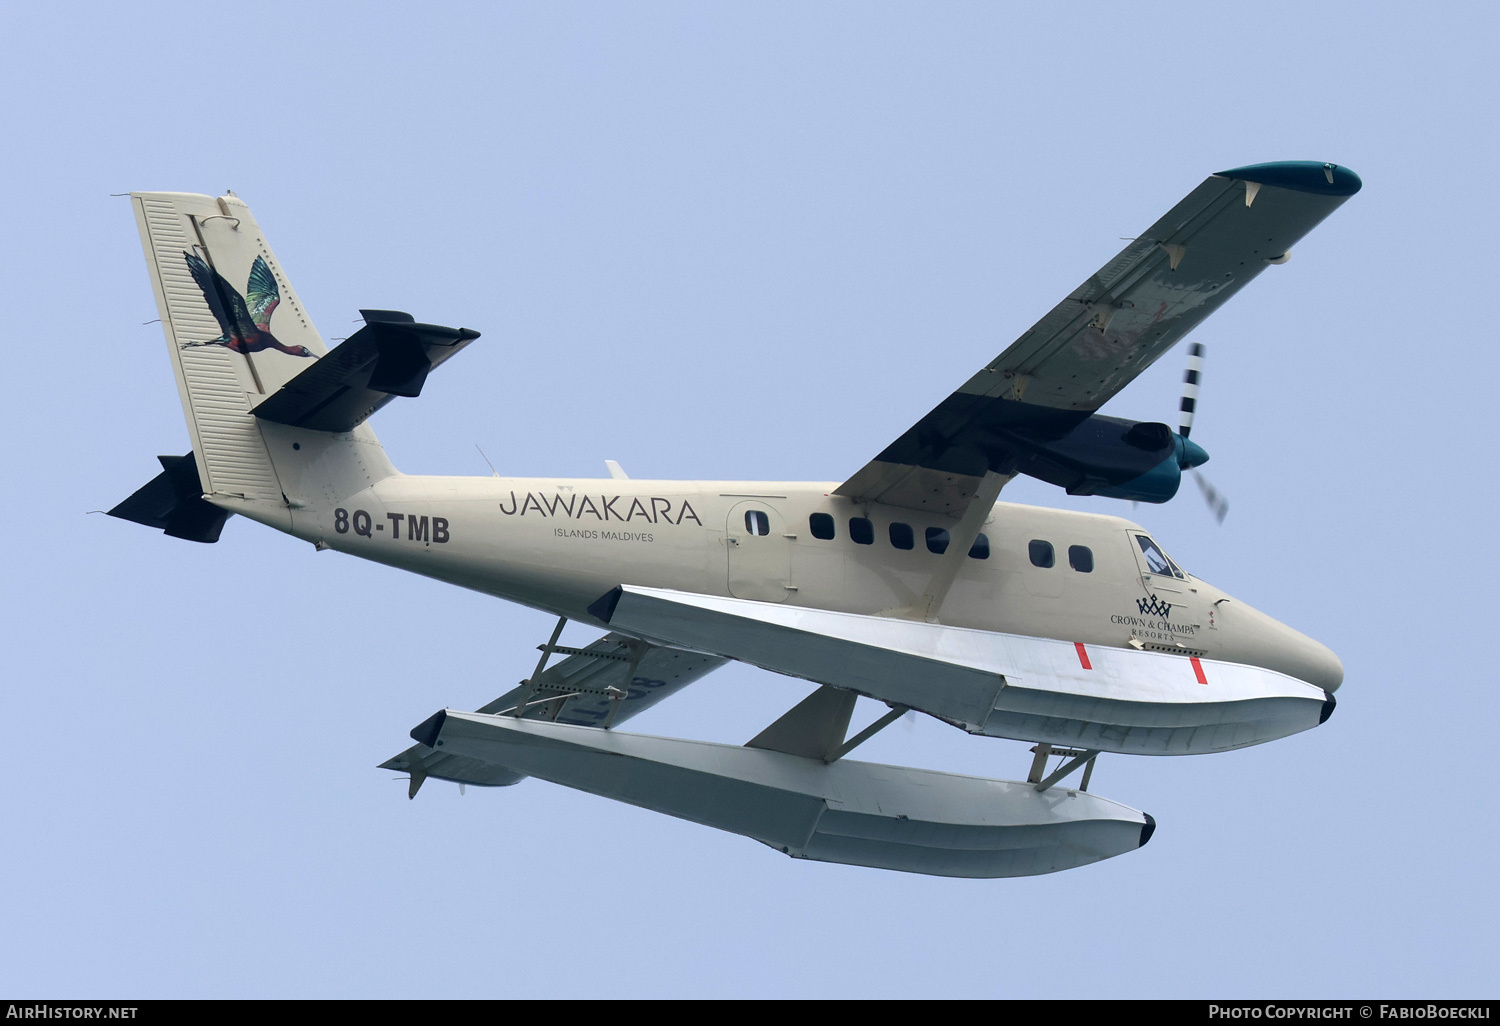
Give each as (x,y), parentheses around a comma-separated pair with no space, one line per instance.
(576,691)
(1108,330)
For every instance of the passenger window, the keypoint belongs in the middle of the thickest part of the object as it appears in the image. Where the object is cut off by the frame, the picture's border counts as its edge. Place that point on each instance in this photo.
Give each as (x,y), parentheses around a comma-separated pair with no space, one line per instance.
(861,531)
(937,540)
(1081,558)
(980,549)
(902,537)
(1041,554)
(821,525)
(1156,560)
(756,522)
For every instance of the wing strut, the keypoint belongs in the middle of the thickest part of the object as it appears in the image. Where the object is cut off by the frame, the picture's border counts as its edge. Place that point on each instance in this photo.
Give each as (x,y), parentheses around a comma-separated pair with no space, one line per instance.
(961,540)
(1084,758)
(617,696)
(896,712)
(814,728)
(541,664)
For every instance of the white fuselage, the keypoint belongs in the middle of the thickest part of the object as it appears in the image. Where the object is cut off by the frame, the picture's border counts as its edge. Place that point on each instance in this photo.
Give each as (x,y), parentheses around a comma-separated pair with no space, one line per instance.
(559,544)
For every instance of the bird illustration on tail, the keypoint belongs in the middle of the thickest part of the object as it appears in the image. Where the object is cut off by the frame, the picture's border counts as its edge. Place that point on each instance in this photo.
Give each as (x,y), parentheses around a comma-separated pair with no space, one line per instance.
(244,326)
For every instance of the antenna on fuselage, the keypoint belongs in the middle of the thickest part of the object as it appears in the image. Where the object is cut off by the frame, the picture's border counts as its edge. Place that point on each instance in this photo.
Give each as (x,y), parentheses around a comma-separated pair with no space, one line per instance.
(493,471)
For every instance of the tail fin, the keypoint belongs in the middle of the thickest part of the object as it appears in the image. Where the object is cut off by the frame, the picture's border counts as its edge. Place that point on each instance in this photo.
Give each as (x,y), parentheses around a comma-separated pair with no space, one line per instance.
(237,333)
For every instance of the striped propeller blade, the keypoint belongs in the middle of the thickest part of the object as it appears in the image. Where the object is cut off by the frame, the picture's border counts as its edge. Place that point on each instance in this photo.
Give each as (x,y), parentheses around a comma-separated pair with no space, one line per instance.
(1190,381)
(1215,498)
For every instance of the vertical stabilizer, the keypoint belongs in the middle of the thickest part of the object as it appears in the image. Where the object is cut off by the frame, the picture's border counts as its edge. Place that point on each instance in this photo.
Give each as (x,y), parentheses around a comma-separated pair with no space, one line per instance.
(236,333)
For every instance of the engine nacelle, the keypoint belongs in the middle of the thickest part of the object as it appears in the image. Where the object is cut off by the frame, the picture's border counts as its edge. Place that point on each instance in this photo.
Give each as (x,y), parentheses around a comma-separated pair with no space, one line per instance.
(1111,456)
(1087,454)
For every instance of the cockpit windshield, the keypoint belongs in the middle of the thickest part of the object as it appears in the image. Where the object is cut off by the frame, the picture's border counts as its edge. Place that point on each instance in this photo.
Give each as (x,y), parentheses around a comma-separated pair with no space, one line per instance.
(1156,560)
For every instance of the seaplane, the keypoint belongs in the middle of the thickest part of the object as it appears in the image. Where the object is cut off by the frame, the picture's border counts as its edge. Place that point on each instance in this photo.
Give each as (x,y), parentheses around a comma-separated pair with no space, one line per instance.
(909,583)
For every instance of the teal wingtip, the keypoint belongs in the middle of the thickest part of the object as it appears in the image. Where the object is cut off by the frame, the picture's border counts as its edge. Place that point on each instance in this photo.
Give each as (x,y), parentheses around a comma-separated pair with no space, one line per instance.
(1302,175)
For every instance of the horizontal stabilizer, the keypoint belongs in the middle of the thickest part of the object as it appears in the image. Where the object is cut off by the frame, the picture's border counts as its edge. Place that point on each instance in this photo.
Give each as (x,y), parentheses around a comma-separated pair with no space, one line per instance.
(390,356)
(173,502)
(856,813)
(575,691)
(1001,685)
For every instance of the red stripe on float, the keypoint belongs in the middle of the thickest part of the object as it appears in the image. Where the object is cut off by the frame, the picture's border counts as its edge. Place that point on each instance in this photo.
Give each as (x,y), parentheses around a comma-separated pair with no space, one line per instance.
(1198,669)
(1083,655)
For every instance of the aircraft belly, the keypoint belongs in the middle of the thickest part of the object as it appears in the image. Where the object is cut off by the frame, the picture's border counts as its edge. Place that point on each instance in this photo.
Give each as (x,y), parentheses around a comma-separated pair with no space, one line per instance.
(886,817)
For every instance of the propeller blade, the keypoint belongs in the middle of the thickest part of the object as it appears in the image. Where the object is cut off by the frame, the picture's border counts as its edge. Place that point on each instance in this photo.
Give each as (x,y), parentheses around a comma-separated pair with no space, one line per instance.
(1215,498)
(1190,387)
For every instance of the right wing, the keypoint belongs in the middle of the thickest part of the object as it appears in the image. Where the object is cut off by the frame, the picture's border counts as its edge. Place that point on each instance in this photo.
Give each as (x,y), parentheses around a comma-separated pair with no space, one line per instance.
(1108,330)
(574,691)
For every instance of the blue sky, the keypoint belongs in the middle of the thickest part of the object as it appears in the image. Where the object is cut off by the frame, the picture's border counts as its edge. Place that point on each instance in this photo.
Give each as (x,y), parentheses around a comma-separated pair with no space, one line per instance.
(747,241)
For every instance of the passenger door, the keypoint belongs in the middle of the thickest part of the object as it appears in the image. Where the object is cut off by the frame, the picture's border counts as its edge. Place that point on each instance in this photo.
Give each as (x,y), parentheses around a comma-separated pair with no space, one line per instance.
(760,553)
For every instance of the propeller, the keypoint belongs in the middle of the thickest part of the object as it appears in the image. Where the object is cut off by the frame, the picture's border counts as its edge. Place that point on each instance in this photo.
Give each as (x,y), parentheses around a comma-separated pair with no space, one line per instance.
(1218,504)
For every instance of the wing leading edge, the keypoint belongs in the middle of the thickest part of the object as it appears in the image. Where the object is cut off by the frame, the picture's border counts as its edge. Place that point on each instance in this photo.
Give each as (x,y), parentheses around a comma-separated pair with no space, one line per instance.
(1107,331)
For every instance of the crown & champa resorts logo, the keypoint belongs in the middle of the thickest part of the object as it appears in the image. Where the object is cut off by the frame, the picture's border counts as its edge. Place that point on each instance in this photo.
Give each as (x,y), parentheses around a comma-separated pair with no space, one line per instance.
(1155,621)
(1153,606)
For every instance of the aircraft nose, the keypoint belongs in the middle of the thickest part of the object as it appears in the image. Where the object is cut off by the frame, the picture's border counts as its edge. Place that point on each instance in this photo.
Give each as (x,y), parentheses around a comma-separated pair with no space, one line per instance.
(1323,668)
(1267,642)
(1306,659)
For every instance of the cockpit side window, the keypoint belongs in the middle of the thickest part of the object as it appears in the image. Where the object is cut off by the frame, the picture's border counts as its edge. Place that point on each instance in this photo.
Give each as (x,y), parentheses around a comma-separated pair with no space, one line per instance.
(1156,560)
